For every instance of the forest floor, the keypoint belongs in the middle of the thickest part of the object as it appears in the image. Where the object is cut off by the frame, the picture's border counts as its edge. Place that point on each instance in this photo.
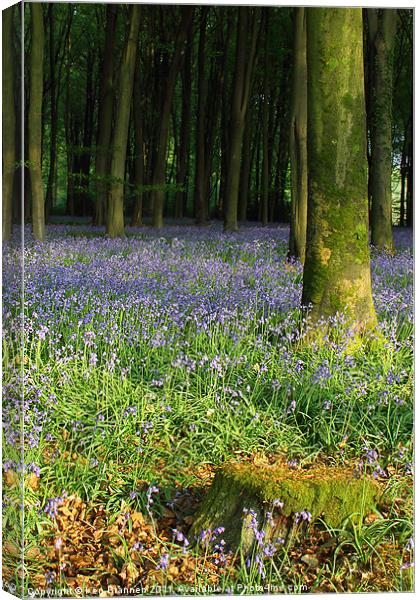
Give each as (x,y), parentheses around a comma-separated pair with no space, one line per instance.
(151,360)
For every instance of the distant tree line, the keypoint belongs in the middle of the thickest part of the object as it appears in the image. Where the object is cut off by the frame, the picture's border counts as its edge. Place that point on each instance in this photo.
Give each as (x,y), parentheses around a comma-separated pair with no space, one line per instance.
(136,112)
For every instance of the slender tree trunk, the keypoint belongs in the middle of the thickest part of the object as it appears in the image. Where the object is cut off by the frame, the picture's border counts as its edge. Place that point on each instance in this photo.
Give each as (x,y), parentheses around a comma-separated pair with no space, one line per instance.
(410,199)
(244,64)
(106,102)
(382,24)
(403,179)
(245,169)
(184,142)
(265,173)
(49,196)
(86,155)
(258,170)
(213,107)
(224,117)
(35,120)
(136,220)
(160,162)
(201,208)
(8,123)
(337,265)
(298,141)
(115,218)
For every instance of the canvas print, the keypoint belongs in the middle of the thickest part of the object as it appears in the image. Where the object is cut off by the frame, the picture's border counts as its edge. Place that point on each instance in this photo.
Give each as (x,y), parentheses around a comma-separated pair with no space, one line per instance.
(207,224)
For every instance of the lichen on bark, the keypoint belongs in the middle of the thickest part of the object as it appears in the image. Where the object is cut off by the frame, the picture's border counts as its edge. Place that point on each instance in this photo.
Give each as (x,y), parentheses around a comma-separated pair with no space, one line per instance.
(333,494)
(337,265)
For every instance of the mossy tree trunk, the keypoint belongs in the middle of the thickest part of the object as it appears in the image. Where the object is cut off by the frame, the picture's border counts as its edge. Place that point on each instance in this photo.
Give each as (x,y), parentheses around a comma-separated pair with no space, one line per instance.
(247,31)
(382,27)
(115,220)
(8,123)
(106,102)
(249,500)
(36,64)
(298,142)
(337,274)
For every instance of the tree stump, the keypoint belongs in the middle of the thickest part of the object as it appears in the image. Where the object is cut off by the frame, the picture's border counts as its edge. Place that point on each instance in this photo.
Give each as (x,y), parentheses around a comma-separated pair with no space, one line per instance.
(247,499)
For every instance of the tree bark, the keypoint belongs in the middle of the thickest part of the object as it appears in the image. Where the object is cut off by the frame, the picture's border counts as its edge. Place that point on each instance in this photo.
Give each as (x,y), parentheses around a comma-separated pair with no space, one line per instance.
(403,179)
(83,195)
(245,169)
(184,142)
(224,117)
(52,173)
(382,24)
(265,173)
(36,63)
(410,198)
(298,142)
(8,123)
(200,197)
(115,218)
(337,275)
(158,179)
(244,64)
(106,102)
(136,220)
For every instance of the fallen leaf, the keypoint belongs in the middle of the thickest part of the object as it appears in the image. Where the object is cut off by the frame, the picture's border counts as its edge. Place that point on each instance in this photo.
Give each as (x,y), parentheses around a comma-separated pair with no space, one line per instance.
(310,560)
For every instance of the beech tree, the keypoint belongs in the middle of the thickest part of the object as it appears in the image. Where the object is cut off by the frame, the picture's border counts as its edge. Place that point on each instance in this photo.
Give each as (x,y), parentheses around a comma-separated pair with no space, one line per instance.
(8,123)
(159,178)
(115,219)
(298,142)
(337,274)
(381,27)
(35,119)
(213,125)
(247,31)
(200,191)
(106,103)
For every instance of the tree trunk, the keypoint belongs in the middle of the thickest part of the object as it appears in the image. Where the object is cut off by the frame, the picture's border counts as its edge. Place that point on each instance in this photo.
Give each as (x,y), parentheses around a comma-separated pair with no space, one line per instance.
(201,209)
(248,500)
(382,24)
(224,117)
(8,123)
(337,265)
(115,218)
(106,102)
(85,156)
(160,162)
(184,142)
(244,64)
(136,220)
(35,120)
(298,141)
(245,169)
(52,173)
(410,199)
(265,172)
(403,179)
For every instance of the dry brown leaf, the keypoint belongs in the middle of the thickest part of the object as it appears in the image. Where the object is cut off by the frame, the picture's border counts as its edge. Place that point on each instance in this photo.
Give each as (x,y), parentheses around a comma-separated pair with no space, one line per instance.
(11,478)
(129,573)
(33,481)
(11,548)
(33,553)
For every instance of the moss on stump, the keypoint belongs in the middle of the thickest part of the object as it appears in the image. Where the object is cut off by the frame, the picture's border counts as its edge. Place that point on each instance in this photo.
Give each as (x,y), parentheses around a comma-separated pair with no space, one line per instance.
(277,494)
